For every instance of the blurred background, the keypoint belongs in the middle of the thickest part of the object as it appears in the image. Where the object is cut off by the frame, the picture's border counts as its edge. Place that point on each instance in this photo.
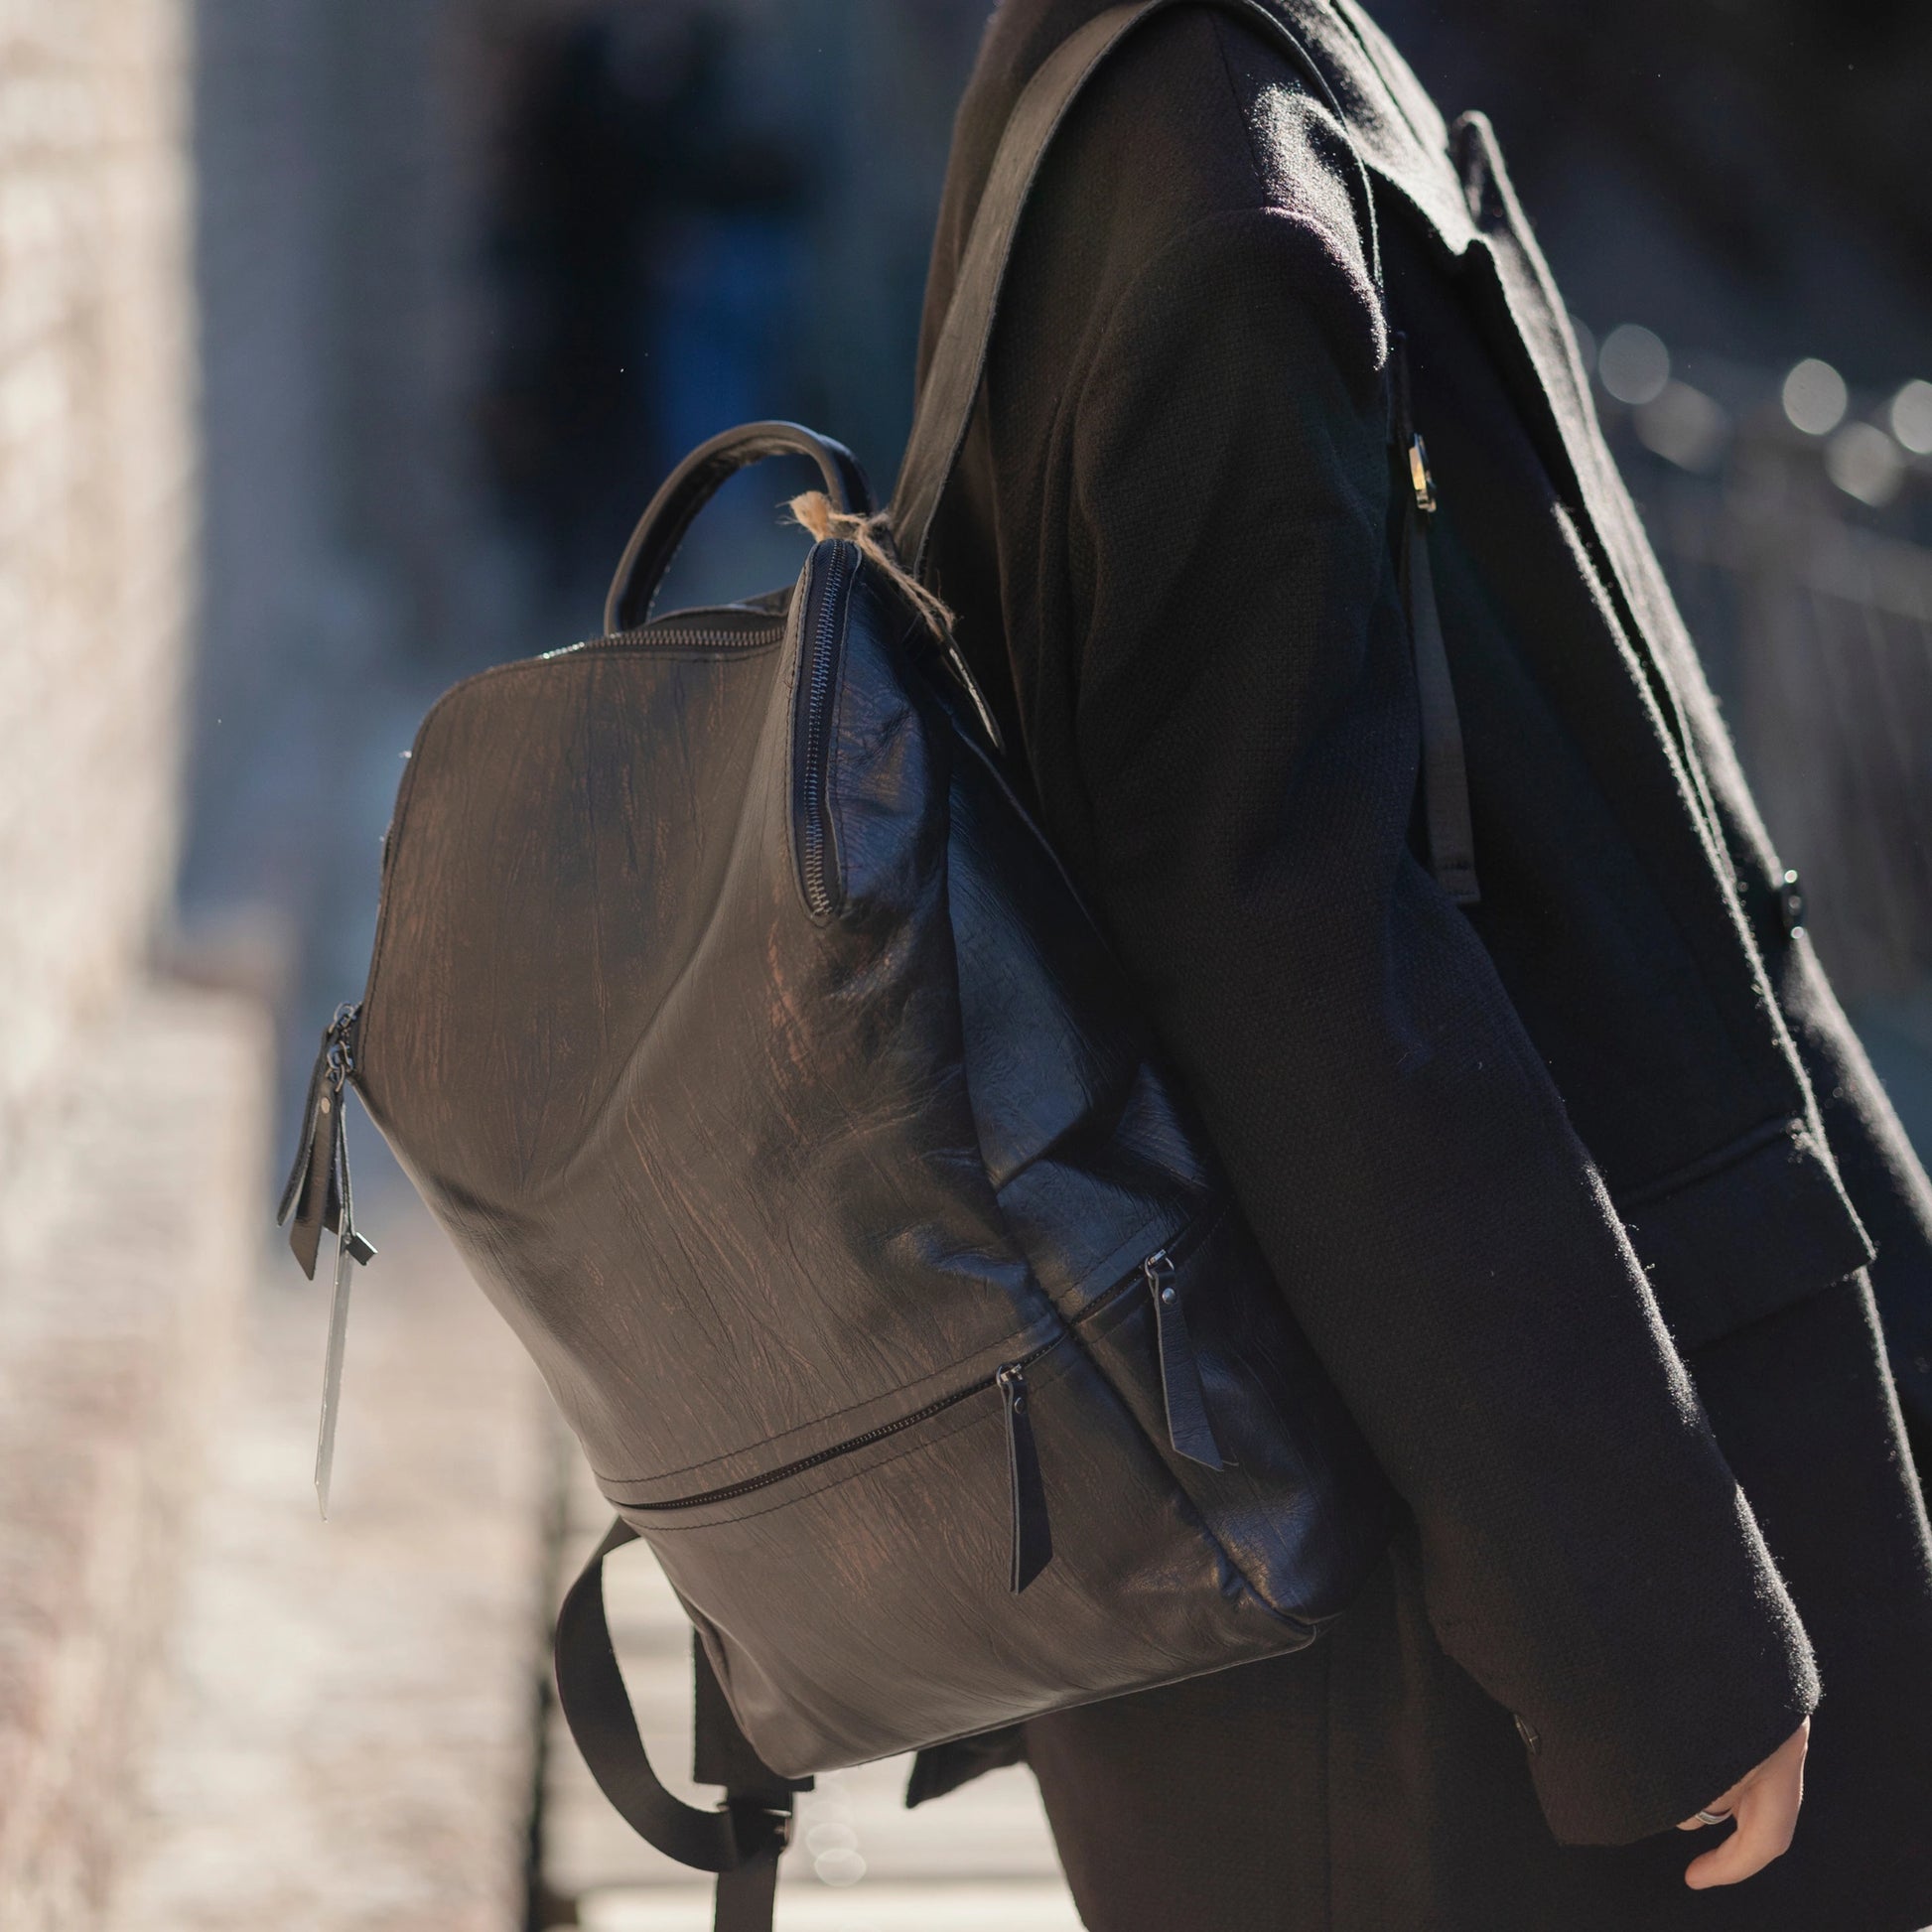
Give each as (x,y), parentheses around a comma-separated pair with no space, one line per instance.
(341,341)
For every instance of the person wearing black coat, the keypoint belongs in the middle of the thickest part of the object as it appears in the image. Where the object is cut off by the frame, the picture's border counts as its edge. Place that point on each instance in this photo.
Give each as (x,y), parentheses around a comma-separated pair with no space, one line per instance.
(1583,1192)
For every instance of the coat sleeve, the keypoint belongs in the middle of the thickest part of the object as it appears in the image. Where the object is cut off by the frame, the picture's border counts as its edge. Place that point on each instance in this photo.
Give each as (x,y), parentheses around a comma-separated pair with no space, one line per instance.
(1882,1174)
(1246,747)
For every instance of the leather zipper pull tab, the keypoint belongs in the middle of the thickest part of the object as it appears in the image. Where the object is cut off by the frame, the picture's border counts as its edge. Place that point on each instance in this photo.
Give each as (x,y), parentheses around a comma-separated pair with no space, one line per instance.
(312,1193)
(1188,1429)
(1033,1532)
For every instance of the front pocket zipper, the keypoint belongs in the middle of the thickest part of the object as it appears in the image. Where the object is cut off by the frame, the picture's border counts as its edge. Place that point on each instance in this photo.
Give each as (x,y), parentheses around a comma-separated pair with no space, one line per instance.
(1032,1533)
(820,632)
(731,1491)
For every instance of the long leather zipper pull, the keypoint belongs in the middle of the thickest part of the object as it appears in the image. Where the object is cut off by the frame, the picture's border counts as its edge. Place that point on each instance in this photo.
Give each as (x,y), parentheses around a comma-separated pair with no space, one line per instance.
(319,1196)
(1033,1532)
(1188,1429)
(351,1246)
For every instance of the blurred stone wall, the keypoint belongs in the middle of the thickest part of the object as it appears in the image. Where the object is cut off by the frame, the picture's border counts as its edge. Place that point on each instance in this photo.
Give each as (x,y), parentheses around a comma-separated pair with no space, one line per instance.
(129,1105)
(334,549)
(95,511)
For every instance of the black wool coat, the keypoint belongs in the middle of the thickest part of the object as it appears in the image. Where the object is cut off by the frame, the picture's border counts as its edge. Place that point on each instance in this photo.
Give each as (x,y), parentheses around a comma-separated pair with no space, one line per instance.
(1536,1177)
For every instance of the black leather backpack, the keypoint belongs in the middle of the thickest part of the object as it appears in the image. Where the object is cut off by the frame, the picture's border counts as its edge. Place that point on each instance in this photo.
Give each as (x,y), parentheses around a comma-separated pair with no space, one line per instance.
(733,1015)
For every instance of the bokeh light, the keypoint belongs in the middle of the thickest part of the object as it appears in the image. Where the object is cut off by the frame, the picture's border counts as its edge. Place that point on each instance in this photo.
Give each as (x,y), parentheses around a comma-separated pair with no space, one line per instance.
(1815,397)
(1684,426)
(1633,363)
(1864,463)
(1912,417)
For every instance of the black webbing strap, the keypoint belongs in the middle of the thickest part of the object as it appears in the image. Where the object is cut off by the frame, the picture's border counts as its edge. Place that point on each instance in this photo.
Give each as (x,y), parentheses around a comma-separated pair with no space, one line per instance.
(951,389)
(721,1754)
(742,1839)
(1445,767)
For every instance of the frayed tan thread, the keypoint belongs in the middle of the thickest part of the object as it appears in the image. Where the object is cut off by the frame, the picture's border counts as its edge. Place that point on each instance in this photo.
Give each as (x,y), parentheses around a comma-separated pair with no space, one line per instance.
(873,536)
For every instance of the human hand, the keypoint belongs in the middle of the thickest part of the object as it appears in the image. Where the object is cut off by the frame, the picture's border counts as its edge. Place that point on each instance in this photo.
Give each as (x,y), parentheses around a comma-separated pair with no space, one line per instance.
(1765,1806)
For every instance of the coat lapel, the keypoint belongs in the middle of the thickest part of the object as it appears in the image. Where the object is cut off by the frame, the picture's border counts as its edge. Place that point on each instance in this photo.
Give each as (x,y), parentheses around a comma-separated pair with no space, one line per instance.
(1553,392)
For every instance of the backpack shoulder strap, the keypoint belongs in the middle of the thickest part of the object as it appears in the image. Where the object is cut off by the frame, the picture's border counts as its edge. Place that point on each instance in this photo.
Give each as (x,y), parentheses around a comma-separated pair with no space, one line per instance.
(951,389)
(945,404)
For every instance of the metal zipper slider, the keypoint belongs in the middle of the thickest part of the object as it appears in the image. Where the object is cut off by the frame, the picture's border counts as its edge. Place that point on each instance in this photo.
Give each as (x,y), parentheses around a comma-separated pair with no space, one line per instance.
(1033,1531)
(1420,480)
(1186,1401)
(1402,428)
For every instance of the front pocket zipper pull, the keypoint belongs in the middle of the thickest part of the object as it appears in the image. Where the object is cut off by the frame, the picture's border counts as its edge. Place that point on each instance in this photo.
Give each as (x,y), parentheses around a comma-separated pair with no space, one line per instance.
(319,1196)
(1033,1532)
(1188,1429)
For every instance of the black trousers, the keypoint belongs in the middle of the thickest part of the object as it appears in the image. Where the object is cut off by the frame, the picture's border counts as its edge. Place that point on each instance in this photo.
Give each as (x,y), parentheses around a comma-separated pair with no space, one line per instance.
(1368,1785)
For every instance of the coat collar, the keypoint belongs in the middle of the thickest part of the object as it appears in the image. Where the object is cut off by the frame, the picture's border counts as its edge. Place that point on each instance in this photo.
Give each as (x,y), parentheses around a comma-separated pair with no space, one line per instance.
(1454,179)
(1395,125)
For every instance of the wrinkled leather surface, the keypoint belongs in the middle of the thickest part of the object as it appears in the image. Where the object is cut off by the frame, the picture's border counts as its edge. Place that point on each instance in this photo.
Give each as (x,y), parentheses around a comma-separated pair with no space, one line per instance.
(750,1183)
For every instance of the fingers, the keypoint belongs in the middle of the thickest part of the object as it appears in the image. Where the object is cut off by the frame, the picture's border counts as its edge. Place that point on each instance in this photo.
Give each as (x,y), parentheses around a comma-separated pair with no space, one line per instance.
(1765,1806)
(1724,1808)
(1700,1822)
(1765,1823)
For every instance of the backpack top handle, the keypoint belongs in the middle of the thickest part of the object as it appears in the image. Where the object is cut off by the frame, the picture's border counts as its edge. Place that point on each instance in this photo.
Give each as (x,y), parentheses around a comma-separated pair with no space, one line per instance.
(695,482)
(946,405)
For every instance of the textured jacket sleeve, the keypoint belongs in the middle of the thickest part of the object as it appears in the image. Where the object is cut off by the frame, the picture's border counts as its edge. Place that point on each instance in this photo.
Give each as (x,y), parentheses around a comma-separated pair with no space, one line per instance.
(1247,747)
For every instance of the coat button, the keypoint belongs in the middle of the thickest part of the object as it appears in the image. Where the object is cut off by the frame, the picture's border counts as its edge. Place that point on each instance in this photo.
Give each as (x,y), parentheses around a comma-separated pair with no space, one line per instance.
(1527,1732)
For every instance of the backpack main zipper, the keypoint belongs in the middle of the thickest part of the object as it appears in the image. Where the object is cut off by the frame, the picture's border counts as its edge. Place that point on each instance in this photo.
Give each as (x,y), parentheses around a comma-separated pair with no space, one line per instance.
(718,639)
(669,636)
(816,679)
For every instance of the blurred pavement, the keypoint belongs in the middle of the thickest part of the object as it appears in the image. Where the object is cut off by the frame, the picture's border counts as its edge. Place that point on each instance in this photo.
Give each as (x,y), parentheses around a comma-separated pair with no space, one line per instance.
(346,1740)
